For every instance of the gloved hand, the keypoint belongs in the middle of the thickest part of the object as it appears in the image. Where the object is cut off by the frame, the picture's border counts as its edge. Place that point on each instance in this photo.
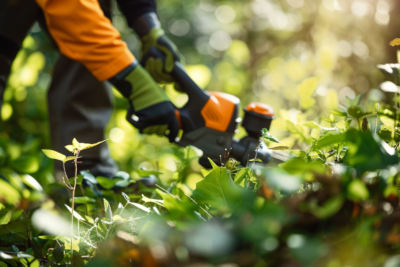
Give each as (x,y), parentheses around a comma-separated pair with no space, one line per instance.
(150,110)
(152,35)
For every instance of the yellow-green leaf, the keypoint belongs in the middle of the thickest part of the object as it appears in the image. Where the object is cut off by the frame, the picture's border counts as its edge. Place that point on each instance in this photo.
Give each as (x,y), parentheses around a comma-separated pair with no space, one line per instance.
(395,42)
(53,154)
(86,146)
(312,124)
(70,148)
(76,144)
(70,158)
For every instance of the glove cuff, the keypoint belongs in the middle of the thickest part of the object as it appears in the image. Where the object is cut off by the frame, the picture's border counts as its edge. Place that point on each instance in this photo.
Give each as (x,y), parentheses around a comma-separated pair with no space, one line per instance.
(144,24)
(118,80)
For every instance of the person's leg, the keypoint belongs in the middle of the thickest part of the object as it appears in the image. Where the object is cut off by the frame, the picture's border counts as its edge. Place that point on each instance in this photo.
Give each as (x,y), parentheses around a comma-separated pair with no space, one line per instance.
(80,107)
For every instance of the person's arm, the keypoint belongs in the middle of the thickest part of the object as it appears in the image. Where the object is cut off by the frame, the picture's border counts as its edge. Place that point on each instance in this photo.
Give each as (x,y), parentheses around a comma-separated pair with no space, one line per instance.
(142,17)
(84,34)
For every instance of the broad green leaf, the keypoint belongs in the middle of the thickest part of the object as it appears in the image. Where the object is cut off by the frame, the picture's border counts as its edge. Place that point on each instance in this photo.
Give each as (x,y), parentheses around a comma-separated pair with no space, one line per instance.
(144,173)
(297,166)
(118,218)
(139,206)
(107,210)
(89,177)
(178,208)
(79,180)
(75,245)
(106,182)
(279,148)
(54,154)
(387,121)
(6,218)
(58,254)
(315,134)
(3,264)
(329,207)
(268,136)
(357,112)
(76,215)
(391,190)
(83,200)
(240,175)
(26,164)
(357,190)
(31,182)
(49,237)
(313,125)
(89,219)
(127,198)
(8,193)
(338,113)
(330,140)
(217,189)
(155,201)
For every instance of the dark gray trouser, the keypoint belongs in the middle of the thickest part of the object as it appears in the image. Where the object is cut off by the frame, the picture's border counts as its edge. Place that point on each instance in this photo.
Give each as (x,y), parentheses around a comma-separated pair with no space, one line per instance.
(79,105)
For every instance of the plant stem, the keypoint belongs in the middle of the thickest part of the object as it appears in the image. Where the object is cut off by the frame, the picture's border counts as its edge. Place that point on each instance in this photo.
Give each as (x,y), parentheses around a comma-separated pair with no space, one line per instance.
(376,118)
(72,207)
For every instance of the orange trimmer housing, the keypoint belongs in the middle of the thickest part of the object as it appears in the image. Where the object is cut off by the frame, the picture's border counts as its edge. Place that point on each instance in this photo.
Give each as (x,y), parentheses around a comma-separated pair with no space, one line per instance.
(209,121)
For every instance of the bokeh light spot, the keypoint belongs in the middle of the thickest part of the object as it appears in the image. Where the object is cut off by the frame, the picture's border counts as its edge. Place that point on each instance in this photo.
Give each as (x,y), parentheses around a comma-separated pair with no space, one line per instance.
(179,27)
(117,135)
(225,14)
(220,40)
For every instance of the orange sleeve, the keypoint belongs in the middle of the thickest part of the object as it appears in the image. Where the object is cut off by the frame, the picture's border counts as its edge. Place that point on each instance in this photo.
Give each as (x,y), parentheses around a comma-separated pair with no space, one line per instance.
(84,34)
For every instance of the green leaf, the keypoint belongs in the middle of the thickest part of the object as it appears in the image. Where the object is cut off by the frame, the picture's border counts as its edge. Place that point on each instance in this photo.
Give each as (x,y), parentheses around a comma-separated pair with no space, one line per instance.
(338,113)
(312,124)
(83,200)
(217,189)
(329,207)
(240,175)
(268,136)
(89,177)
(176,207)
(31,182)
(256,159)
(79,180)
(6,218)
(89,219)
(357,190)
(54,154)
(139,206)
(107,210)
(279,148)
(107,183)
(155,201)
(49,237)
(76,215)
(144,173)
(26,164)
(330,140)
(357,112)
(8,193)
(58,254)
(127,198)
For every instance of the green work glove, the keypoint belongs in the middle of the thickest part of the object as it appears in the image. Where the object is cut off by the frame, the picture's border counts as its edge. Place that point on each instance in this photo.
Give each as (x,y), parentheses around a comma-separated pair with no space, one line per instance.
(152,35)
(150,110)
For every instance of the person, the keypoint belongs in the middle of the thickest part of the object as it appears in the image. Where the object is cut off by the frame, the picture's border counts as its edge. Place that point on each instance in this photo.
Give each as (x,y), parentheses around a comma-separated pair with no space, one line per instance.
(92,53)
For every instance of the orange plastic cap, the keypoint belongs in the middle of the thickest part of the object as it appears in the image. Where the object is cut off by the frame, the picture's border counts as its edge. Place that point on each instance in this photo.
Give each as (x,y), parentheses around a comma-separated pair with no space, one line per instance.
(260,108)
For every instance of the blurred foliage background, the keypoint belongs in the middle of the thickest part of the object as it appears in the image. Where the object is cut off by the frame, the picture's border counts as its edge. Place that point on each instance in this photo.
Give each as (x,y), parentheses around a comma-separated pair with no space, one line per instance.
(302,57)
